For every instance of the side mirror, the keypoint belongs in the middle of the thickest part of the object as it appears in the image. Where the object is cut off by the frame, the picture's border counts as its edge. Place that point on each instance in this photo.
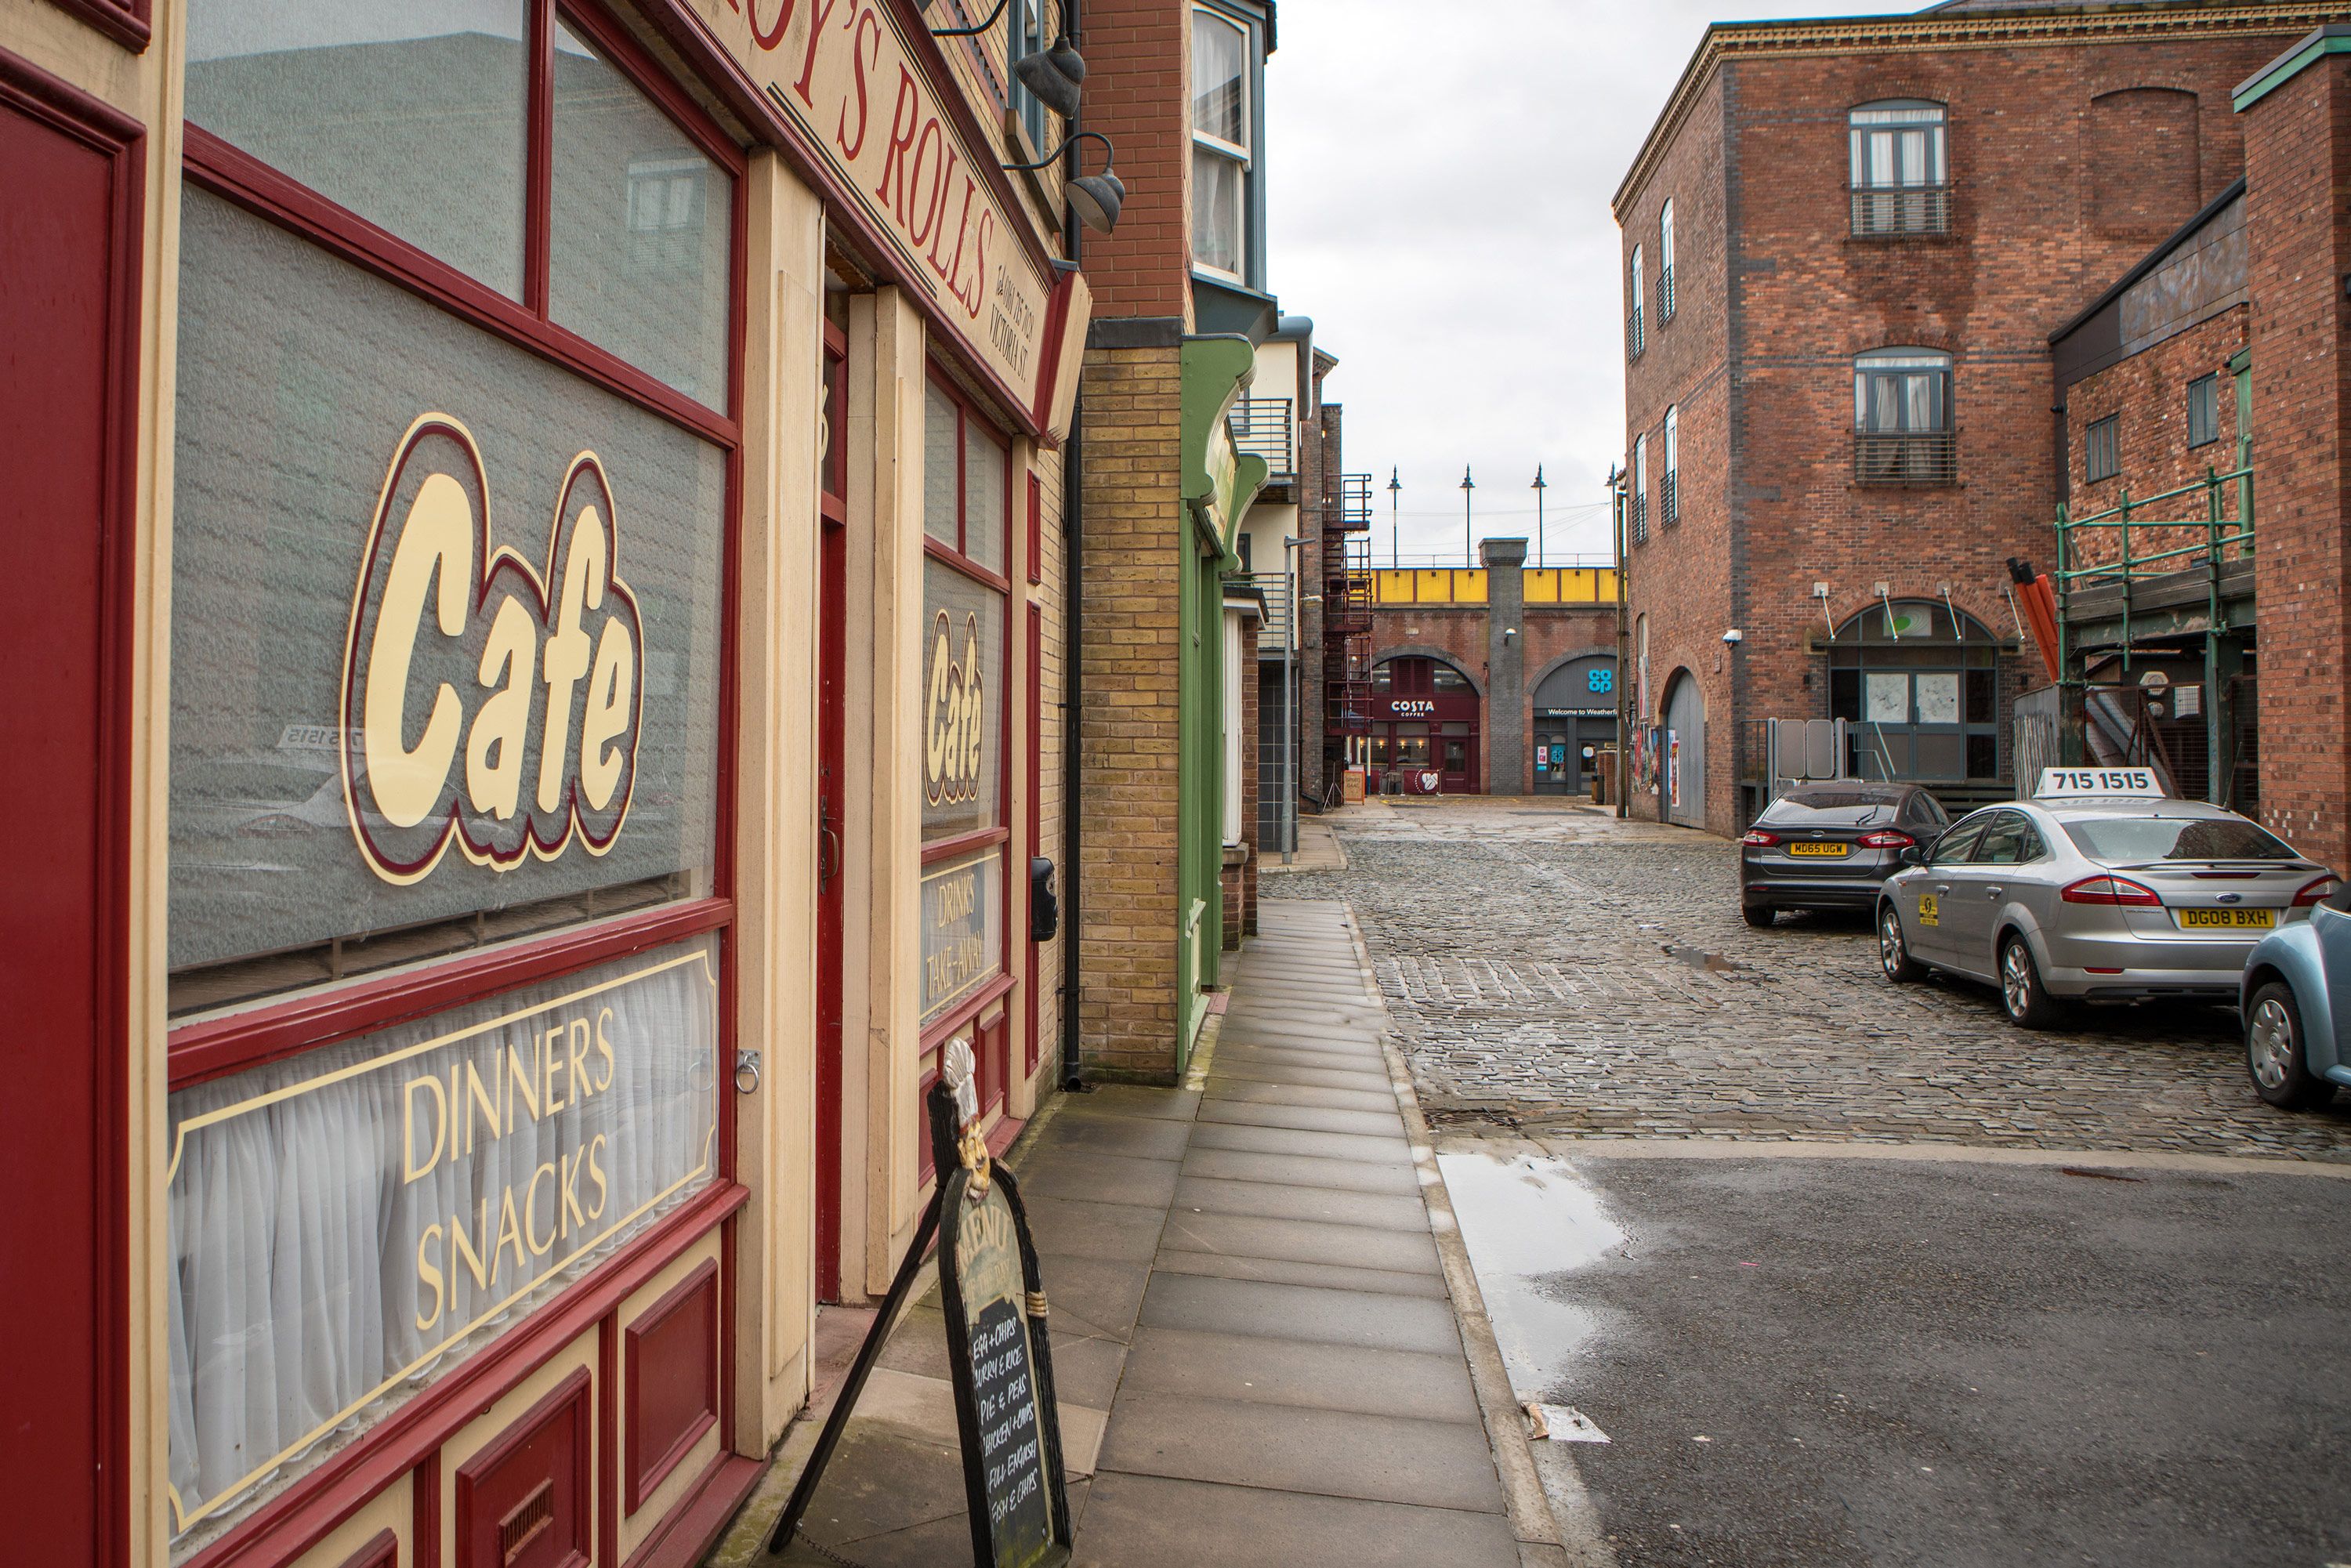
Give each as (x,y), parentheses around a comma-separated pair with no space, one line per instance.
(1914,855)
(1044,908)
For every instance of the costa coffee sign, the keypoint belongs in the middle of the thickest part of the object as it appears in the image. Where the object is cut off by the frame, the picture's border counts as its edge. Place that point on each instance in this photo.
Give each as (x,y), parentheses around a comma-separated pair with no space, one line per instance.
(488,702)
(843,72)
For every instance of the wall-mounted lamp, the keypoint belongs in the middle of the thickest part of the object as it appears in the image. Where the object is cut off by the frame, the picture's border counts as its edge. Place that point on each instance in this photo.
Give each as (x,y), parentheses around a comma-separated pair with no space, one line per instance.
(1733,637)
(1052,77)
(1095,197)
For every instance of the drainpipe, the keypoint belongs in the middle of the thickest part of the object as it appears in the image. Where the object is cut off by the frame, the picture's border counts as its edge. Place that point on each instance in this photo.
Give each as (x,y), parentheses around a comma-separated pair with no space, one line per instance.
(1072,655)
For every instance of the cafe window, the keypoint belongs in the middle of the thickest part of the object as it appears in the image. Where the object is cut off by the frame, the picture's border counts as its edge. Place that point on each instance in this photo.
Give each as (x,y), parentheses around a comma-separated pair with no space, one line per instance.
(451,531)
(966,491)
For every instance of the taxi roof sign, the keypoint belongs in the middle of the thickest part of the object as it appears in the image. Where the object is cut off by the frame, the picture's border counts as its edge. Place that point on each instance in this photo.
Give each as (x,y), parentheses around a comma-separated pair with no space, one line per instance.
(2098,783)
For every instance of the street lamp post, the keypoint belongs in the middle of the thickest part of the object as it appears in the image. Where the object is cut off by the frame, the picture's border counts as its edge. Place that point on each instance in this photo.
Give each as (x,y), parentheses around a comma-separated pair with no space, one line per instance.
(1468,532)
(1395,528)
(1539,489)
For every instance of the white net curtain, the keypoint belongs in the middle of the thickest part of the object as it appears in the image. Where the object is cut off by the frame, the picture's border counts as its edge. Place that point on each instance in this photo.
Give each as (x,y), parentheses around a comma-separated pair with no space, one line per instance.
(328,1212)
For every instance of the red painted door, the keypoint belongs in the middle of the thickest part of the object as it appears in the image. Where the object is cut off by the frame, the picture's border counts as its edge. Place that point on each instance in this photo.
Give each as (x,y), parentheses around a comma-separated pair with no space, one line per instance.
(68,360)
(832,670)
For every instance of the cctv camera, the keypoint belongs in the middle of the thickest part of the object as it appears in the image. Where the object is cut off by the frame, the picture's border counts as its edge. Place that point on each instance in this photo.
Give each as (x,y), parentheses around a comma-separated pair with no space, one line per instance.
(1734,636)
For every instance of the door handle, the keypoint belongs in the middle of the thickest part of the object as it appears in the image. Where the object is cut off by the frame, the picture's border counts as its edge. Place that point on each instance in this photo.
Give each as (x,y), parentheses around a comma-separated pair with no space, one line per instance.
(1991,893)
(828,848)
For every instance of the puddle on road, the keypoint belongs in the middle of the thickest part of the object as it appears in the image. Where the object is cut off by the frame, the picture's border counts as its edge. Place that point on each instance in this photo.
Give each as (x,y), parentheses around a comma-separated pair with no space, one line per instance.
(1527,1221)
(1713,963)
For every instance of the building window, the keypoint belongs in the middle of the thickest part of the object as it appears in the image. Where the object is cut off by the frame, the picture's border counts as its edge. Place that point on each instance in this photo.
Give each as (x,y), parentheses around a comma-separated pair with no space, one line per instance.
(1634,337)
(1900,181)
(1666,265)
(1902,418)
(1670,496)
(447,776)
(1641,490)
(966,498)
(2102,449)
(2204,411)
(1220,144)
(1025,35)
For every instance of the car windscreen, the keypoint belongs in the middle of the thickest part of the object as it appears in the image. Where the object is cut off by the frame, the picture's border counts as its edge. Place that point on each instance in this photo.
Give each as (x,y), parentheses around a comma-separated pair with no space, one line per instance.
(2127,841)
(1833,808)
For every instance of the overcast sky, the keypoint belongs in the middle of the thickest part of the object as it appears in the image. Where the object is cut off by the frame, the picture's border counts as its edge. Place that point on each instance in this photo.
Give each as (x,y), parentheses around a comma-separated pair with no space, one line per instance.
(1439,203)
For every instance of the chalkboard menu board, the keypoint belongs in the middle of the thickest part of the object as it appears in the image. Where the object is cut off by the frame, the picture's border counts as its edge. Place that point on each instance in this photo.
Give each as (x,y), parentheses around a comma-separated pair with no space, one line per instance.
(1002,1366)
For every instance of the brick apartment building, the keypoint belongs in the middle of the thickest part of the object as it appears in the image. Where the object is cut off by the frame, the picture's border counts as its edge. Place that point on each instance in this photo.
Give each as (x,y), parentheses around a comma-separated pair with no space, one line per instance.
(2205,389)
(1845,244)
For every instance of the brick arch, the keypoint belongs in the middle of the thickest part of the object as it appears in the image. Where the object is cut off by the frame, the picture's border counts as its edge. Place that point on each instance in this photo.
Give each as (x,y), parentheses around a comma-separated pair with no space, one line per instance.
(1932,340)
(1424,651)
(1535,681)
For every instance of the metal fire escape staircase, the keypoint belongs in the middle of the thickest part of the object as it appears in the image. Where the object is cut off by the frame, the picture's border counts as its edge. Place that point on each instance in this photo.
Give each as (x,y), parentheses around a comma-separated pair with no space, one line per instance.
(1347,611)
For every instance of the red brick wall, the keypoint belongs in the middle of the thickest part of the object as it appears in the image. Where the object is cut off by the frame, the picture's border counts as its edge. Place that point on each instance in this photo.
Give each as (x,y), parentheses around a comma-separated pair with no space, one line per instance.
(1684,366)
(1138,64)
(2147,395)
(2299,144)
(2038,230)
(1460,633)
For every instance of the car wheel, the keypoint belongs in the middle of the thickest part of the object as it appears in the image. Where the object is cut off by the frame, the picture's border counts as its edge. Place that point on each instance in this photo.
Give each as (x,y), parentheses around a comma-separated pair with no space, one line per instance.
(2028,1002)
(2273,1052)
(1894,949)
(1758,914)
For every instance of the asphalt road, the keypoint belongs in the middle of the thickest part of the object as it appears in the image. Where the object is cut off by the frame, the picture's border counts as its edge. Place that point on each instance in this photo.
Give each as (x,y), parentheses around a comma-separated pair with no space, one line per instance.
(1804,1245)
(1819,1362)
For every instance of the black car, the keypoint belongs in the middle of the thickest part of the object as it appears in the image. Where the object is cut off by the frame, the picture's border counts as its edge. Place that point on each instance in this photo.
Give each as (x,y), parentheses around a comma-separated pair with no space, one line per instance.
(1827,846)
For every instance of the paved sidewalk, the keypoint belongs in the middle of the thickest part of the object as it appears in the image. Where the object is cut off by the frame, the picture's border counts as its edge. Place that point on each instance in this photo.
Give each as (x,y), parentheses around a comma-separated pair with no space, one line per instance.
(1255,1339)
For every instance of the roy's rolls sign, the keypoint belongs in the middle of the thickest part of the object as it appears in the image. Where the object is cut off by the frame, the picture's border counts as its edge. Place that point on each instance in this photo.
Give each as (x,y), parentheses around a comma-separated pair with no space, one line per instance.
(842,72)
(485,704)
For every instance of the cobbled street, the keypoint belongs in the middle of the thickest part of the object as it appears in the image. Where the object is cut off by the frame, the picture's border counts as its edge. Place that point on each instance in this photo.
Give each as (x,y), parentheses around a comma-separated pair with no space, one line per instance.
(1552,969)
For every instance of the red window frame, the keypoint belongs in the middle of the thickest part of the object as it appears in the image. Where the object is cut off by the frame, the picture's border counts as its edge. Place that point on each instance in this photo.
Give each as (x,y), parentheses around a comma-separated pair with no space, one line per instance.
(989,1043)
(215,1047)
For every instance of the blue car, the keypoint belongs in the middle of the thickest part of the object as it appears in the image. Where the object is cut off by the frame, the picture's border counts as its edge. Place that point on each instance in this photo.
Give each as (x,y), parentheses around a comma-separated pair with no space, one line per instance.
(2297,1004)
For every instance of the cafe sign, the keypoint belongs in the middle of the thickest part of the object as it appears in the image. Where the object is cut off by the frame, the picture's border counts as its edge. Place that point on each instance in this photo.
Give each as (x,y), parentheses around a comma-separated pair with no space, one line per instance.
(488,703)
(844,73)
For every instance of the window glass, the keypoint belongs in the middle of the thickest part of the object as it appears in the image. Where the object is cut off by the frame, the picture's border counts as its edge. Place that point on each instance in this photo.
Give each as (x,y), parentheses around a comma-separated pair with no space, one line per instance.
(1218,221)
(410,115)
(963,929)
(1832,808)
(1640,273)
(1446,678)
(1900,392)
(1219,79)
(1666,237)
(1897,145)
(303,382)
(640,230)
(2203,410)
(984,483)
(2005,841)
(2121,841)
(963,708)
(352,1222)
(1960,842)
(942,478)
(1673,442)
(2102,454)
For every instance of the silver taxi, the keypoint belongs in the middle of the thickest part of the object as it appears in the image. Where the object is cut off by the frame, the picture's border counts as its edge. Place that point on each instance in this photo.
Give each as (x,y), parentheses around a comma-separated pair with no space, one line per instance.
(2079,895)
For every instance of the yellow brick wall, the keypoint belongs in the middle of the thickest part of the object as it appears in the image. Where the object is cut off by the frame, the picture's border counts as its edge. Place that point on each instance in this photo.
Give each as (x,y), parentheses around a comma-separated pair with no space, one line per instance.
(1136,536)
